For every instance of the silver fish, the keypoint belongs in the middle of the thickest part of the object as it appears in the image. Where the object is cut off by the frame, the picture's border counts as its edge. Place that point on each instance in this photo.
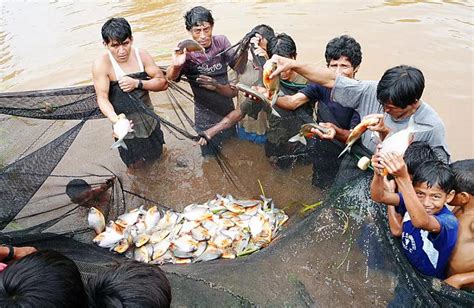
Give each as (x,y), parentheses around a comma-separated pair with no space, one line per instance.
(121,128)
(96,220)
(211,253)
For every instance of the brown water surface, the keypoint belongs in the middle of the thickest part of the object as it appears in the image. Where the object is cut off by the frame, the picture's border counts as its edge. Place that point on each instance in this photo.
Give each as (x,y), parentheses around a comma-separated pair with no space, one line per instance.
(52,45)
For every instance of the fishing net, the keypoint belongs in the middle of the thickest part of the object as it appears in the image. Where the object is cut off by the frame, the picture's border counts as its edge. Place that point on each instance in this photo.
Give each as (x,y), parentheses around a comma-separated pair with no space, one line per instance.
(67,103)
(342,253)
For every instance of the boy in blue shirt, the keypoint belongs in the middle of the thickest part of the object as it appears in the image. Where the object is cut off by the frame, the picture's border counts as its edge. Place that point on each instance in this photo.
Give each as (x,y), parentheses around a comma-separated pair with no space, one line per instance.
(429,229)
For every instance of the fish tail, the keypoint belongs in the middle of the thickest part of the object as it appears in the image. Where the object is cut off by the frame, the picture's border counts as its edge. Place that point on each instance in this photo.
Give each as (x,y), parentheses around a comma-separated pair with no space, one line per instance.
(275,113)
(274,99)
(119,143)
(298,137)
(346,149)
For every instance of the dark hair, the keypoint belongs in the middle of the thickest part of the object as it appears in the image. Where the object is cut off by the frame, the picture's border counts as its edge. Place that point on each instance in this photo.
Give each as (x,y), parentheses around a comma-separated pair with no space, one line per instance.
(116,29)
(463,176)
(401,85)
(196,16)
(282,45)
(417,153)
(346,46)
(42,279)
(76,187)
(130,284)
(435,172)
(265,31)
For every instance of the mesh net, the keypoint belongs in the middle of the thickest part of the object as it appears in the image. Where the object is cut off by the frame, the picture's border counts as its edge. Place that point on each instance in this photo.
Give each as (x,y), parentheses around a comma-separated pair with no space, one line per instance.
(341,253)
(66,103)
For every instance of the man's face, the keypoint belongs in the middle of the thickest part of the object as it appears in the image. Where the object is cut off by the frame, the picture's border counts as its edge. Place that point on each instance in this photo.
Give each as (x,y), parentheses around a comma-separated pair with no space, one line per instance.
(432,198)
(343,67)
(398,113)
(120,51)
(202,34)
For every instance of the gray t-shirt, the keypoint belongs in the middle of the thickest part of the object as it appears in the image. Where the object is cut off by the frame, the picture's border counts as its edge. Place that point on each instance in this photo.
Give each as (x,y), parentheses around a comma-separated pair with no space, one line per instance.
(362,96)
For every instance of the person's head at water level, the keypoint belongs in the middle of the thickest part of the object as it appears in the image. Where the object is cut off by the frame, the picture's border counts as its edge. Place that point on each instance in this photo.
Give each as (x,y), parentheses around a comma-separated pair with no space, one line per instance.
(399,91)
(42,279)
(129,284)
(343,56)
(284,46)
(433,182)
(463,182)
(117,37)
(199,22)
(78,190)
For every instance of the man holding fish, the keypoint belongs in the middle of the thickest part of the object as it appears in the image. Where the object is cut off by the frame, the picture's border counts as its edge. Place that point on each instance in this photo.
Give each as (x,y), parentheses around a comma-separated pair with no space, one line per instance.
(206,71)
(122,77)
(397,94)
(252,114)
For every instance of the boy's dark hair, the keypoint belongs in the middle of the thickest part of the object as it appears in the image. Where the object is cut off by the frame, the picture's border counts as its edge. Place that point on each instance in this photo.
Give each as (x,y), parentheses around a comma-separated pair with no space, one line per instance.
(282,45)
(401,86)
(116,29)
(42,279)
(130,284)
(196,16)
(435,172)
(417,153)
(463,176)
(76,187)
(346,46)
(265,31)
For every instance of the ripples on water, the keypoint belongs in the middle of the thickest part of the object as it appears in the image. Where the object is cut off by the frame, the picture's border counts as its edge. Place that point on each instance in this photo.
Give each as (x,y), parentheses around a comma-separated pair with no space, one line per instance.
(53,45)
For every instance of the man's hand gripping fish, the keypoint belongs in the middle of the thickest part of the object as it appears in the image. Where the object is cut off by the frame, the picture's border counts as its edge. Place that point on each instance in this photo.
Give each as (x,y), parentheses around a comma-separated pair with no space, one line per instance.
(357,132)
(272,86)
(305,132)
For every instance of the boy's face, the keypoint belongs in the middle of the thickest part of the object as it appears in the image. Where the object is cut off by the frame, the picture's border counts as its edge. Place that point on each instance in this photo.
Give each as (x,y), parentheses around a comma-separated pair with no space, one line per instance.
(432,198)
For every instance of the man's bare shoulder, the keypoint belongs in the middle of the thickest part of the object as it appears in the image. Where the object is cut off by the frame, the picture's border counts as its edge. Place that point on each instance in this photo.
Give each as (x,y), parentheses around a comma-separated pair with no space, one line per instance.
(145,56)
(102,64)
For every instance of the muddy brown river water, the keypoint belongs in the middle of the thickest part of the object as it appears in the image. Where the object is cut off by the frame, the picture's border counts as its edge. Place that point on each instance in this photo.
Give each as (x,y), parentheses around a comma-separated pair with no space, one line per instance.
(52,45)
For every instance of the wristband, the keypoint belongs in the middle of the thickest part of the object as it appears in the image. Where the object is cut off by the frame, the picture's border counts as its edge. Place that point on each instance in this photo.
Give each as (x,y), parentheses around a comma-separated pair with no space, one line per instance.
(11,253)
(140,84)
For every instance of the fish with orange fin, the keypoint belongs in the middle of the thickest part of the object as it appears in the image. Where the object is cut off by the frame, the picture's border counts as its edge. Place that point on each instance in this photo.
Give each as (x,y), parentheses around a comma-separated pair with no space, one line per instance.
(305,132)
(357,132)
(272,85)
(190,45)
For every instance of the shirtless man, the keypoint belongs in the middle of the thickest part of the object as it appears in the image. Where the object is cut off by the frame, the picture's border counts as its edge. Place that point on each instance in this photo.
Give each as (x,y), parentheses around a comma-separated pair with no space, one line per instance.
(122,77)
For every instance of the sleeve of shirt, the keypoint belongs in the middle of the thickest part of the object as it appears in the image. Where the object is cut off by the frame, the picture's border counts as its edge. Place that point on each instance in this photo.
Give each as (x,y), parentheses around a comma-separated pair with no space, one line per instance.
(436,139)
(355,119)
(312,92)
(350,92)
(401,208)
(447,236)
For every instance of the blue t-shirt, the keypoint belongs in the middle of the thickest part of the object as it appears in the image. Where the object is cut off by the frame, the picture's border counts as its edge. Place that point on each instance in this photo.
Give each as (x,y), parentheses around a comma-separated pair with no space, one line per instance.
(345,117)
(429,252)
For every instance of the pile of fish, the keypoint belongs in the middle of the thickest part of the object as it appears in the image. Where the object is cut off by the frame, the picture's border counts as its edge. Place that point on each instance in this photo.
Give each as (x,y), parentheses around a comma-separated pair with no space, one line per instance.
(220,228)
